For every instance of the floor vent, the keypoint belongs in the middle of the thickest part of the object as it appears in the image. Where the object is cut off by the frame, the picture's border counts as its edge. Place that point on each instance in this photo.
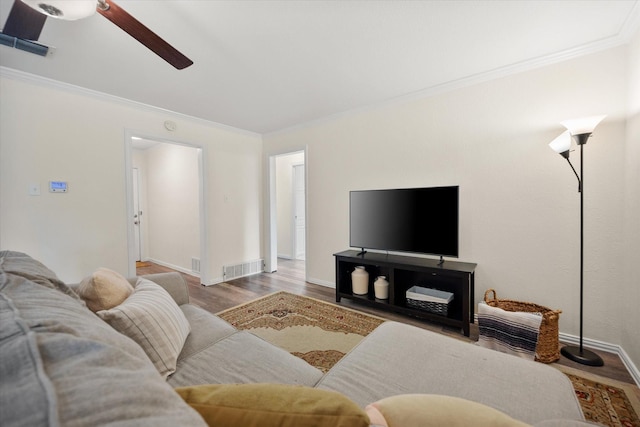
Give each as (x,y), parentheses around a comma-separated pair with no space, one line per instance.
(195,265)
(244,269)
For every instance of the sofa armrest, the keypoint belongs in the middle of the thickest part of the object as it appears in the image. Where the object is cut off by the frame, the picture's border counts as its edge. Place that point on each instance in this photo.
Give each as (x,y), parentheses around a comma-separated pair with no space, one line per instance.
(173,283)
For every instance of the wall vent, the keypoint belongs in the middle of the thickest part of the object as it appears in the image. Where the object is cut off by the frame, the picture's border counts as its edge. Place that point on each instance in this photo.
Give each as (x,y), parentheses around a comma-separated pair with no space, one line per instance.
(248,268)
(195,265)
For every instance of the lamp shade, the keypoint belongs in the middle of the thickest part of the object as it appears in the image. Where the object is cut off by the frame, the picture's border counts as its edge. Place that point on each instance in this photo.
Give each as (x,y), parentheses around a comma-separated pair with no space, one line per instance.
(583,125)
(562,143)
(69,10)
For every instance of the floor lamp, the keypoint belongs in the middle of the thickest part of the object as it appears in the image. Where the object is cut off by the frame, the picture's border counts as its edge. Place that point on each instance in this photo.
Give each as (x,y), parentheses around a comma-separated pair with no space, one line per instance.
(580,130)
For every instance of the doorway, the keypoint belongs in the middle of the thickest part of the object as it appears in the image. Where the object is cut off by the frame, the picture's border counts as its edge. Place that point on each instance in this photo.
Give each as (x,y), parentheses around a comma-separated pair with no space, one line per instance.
(288,204)
(166,205)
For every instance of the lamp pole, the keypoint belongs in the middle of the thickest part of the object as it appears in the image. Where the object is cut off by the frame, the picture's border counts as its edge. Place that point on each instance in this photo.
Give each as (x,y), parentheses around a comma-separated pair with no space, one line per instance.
(581,240)
(581,130)
(580,354)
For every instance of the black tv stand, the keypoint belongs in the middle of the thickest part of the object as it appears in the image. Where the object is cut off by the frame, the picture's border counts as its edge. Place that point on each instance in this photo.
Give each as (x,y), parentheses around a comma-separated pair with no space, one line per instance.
(441,261)
(403,272)
(361,253)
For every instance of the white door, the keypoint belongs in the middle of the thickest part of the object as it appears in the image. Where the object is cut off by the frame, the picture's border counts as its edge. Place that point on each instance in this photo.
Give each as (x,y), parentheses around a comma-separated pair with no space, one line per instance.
(298,212)
(137,214)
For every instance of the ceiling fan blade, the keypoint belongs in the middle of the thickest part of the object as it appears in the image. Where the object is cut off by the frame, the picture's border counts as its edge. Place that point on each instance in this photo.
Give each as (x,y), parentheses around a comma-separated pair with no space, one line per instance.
(144,35)
(24,22)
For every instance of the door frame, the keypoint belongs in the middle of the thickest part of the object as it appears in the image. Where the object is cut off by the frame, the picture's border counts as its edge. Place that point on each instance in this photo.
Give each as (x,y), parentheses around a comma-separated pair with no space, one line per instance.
(204,241)
(294,199)
(137,235)
(271,212)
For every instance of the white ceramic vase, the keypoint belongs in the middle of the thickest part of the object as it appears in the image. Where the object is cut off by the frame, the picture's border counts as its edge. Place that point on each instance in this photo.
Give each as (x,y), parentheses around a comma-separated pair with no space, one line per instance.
(381,287)
(360,281)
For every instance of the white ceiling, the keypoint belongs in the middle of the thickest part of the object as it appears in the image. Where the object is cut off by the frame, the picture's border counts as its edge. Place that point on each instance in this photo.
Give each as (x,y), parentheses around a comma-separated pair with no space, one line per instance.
(264,65)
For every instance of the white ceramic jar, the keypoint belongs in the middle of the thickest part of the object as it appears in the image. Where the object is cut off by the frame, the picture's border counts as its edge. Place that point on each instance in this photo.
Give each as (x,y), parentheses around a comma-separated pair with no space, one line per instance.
(360,281)
(381,287)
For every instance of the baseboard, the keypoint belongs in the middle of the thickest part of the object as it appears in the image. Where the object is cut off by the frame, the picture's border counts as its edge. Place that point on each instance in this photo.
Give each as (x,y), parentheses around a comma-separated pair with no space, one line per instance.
(606,347)
(599,345)
(283,256)
(214,281)
(321,282)
(631,367)
(563,337)
(173,267)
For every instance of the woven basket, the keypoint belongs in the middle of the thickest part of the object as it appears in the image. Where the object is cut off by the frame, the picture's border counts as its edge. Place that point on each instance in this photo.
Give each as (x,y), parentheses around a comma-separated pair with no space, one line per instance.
(548,348)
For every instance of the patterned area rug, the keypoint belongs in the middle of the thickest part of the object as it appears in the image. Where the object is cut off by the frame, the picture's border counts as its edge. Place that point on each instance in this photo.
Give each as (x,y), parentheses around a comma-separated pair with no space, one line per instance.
(316,331)
(604,401)
(322,333)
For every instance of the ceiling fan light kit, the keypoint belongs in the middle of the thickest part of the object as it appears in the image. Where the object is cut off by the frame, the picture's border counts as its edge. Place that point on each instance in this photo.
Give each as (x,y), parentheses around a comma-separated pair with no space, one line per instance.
(23,26)
(69,10)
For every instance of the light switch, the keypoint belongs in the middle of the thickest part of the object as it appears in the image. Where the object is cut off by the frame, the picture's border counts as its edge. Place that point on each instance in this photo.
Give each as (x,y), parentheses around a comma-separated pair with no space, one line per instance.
(34,189)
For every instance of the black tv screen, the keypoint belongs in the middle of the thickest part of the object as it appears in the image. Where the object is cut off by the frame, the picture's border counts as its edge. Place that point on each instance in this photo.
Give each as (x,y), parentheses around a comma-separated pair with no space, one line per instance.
(419,220)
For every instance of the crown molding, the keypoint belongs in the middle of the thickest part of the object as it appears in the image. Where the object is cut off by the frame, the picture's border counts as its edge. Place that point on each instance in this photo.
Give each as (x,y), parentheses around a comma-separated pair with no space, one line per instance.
(631,25)
(629,29)
(18,75)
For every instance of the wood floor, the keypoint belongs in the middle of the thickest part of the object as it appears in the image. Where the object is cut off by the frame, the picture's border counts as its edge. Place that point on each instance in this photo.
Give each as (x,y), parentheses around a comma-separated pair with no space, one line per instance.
(290,277)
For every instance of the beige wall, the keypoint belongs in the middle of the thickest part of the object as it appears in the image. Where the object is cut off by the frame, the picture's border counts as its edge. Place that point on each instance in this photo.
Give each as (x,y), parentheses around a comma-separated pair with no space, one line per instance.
(52,132)
(519,205)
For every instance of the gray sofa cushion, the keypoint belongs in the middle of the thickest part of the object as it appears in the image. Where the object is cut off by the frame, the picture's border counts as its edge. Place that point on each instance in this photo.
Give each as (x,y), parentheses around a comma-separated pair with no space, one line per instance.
(68,367)
(243,358)
(216,353)
(23,265)
(206,329)
(400,359)
(22,374)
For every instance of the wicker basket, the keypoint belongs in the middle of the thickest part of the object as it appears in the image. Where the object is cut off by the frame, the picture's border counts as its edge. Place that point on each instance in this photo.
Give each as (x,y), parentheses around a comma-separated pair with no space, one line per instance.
(548,348)
(431,300)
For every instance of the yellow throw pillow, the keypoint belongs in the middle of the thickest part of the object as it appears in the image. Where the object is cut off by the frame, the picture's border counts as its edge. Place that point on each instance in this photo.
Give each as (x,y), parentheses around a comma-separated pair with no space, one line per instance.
(431,410)
(104,289)
(272,405)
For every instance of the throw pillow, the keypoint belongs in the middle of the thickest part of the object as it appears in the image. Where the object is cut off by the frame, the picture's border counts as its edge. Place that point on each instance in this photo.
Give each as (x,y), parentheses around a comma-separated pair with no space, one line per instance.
(271,405)
(152,318)
(431,410)
(104,289)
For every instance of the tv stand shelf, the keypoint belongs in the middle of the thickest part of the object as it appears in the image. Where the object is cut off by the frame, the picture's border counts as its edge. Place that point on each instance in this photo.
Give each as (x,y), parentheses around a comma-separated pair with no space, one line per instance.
(403,272)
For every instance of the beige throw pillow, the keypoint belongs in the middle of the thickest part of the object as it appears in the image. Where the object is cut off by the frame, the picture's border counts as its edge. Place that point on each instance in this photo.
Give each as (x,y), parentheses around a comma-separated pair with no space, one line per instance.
(104,289)
(152,319)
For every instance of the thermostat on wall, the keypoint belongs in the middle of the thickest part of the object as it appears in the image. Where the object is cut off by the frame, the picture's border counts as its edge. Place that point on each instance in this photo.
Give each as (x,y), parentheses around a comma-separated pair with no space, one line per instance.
(58,187)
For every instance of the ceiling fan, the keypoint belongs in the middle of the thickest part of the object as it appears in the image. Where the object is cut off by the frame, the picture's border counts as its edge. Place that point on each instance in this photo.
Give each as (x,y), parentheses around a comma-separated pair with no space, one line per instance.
(27,17)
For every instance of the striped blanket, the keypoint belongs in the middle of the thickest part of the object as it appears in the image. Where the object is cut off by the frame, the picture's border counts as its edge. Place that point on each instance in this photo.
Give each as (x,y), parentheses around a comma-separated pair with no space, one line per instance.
(508,332)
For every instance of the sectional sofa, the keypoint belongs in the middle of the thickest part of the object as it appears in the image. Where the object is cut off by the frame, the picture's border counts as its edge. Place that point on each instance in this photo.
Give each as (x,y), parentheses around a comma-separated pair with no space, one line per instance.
(63,365)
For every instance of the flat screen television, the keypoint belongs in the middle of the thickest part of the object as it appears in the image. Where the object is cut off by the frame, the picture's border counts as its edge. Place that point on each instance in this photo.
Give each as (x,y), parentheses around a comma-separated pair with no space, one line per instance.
(418,220)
